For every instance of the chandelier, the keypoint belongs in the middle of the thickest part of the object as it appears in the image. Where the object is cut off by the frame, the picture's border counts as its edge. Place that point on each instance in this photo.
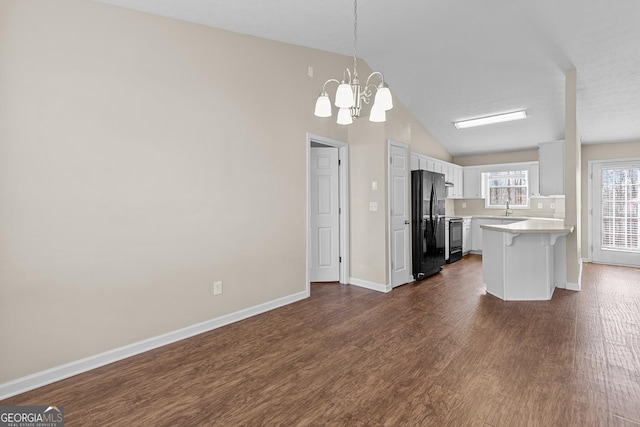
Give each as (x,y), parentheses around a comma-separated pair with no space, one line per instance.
(350,95)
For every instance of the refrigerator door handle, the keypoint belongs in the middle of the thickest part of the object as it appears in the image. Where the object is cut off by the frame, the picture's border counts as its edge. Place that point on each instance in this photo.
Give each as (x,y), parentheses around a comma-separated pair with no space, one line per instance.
(433,197)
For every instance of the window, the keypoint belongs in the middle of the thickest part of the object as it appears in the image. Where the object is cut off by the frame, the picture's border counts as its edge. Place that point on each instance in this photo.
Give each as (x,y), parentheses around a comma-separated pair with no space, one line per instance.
(507,186)
(620,198)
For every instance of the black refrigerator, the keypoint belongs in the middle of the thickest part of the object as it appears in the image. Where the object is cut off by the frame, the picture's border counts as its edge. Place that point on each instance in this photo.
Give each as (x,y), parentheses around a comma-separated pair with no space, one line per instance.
(428,223)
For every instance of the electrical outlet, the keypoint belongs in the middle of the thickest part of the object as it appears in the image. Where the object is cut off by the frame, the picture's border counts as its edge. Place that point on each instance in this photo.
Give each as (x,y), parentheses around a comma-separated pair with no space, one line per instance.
(217,288)
(539,205)
(553,206)
(464,204)
(373,206)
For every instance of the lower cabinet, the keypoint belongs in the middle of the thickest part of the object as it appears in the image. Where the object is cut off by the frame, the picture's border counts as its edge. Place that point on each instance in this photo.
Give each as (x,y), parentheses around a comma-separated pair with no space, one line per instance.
(476,232)
(466,236)
(446,240)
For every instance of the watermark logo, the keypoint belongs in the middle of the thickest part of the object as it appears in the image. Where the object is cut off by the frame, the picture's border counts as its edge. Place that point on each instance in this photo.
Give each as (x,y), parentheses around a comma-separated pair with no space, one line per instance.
(31,416)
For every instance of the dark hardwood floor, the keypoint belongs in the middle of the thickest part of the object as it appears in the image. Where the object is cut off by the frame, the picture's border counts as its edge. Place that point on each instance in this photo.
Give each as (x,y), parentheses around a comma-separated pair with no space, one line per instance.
(437,353)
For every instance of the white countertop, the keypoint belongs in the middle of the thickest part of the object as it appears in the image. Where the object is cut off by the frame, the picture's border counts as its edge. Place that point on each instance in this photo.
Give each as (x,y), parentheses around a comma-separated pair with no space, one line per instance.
(510,217)
(538,225)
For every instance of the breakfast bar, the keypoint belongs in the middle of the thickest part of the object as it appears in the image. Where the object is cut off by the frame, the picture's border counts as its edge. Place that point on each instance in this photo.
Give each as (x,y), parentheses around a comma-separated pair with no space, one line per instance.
(525,260)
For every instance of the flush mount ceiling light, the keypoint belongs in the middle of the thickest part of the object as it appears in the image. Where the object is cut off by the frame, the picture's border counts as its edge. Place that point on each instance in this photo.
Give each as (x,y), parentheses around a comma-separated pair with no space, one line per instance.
(499,118)
(350,95)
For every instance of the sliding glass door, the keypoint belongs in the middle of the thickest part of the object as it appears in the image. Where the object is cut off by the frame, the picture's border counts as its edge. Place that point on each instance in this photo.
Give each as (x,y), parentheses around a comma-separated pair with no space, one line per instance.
(616,238)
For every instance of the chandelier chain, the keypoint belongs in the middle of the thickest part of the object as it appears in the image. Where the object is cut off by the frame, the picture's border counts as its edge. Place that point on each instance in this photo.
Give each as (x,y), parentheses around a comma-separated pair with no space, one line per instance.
(355,36)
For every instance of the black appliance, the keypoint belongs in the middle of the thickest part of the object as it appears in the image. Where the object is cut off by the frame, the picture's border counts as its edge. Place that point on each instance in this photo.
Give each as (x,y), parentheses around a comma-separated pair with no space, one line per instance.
(428,223)
(455,239)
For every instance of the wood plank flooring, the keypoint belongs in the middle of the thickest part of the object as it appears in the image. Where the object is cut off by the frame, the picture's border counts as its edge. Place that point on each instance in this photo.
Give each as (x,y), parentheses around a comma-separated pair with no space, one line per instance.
(437,353)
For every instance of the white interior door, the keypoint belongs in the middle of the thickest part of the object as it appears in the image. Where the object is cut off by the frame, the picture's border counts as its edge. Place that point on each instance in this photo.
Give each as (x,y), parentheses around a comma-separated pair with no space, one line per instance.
(325,217)
(616,220)
(399,214)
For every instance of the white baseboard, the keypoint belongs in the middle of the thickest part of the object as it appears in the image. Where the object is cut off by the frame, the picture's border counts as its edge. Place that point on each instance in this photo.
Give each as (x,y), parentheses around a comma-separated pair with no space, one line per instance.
(573,286)
(67,370)
(576,286)
(370,285)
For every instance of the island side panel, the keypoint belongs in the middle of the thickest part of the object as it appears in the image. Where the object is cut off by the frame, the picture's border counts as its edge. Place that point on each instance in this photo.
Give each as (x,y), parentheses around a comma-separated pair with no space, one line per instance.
(529,266)
(560,263)
(493,262)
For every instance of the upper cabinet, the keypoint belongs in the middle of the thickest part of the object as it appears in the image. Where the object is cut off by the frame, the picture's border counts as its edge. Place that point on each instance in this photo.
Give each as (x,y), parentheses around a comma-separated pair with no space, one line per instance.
(474,176)
(467,181)
(414,162)
(534,180)
(551,174)
(472,183)
(452,173)
(455,177)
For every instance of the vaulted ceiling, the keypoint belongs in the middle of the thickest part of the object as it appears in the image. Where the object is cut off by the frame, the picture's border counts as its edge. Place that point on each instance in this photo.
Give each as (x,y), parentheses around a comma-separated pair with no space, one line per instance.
(448,60)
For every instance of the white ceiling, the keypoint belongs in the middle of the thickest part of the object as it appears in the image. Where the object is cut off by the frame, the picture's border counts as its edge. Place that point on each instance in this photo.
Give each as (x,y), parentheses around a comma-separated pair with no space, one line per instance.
(454,59)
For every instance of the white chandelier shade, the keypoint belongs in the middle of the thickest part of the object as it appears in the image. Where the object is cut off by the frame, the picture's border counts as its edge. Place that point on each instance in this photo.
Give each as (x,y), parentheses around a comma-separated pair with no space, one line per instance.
(378,114)
(344,116)
(323,106)
(350,95)
(383,97)
(344,96)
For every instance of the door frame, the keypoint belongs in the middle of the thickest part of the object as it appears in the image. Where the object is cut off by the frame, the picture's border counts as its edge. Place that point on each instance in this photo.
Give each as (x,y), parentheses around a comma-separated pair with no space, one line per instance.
(590,188)
(343,200)
(398,144)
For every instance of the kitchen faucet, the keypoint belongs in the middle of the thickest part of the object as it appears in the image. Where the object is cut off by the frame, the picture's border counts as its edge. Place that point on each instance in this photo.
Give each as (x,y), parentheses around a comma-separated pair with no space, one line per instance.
(507,212)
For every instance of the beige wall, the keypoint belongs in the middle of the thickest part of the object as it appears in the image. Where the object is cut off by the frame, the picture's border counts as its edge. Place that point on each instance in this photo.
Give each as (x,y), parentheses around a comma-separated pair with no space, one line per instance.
(613,151)
(142,158)
(497,158)
(368,151)
(368,146)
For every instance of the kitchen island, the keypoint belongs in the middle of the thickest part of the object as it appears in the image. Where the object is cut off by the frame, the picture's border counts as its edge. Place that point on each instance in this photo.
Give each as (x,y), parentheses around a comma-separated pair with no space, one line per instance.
(524,260)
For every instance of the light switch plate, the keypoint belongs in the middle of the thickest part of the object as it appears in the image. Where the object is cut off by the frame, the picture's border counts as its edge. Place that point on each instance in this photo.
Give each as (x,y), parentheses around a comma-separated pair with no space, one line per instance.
(217,287)
(374,185)
(464,204)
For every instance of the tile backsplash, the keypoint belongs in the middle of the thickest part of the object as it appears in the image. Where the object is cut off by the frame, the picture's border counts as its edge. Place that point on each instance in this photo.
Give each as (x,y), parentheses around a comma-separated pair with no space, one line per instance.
(542,207)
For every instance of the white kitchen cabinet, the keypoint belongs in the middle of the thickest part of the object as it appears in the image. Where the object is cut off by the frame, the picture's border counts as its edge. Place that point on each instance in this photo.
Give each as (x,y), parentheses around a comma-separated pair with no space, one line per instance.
(476,233)
(452,172)
(415,162)
(459,182)
(446,240)
(472,183)
(424,164)
(551,164)
(437,167)
(466,236)
(434,166)
(534,180)
(454,177)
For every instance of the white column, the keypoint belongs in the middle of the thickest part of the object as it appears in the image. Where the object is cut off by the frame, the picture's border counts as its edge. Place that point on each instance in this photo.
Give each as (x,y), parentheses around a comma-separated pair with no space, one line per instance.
(572,182)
